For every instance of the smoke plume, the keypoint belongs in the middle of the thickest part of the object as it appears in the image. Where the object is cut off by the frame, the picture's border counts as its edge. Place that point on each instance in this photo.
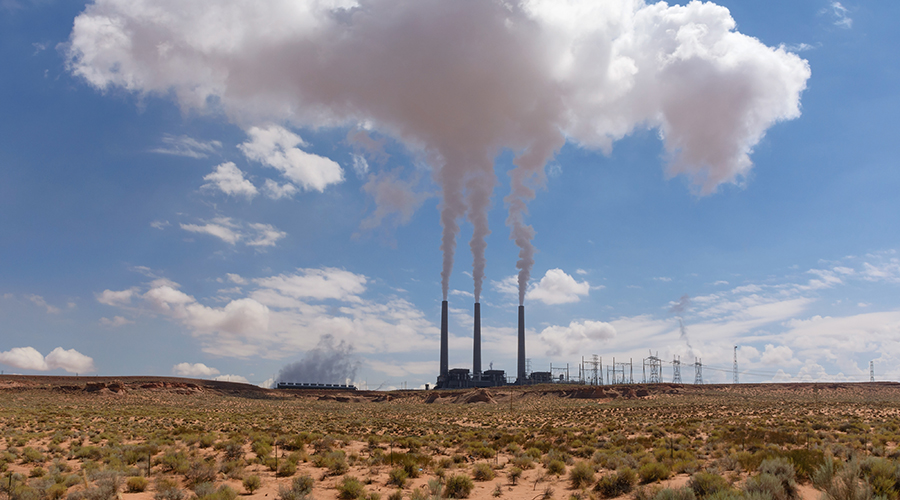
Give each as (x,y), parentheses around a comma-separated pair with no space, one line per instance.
(459,82)
(329,362)
(678,309)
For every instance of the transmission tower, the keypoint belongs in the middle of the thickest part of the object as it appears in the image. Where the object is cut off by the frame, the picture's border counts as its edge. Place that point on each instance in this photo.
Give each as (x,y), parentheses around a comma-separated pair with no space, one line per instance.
(655,365)
(596,377)
(871,371)
(676,370)
(735,366)
(698,372)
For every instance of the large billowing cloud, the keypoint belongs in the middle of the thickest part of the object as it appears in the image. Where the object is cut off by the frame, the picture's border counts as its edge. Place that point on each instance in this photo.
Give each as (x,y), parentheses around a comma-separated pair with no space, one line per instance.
(29,358)
(456,82)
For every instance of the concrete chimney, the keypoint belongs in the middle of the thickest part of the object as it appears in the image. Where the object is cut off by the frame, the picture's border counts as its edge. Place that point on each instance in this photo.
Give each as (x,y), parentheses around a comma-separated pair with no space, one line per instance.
(476,354)
(521,375)
(445,364)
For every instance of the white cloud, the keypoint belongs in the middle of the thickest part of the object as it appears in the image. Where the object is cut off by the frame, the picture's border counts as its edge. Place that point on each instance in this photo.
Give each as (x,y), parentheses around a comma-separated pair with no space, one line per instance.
(841,15)
(116,322)
(230,180)
(581,272)
(266,235)
(577,337)
(159,224)
(277,191)
(194,370)
(256,235)
(507,286)
(115,298)
(778,356)
(319,284)
(276,147)
(38,300)
(557,287)
(462,293)
(25,358)
(187,146)
(360,165)
(221,228)
(232,378)
(70,360)
(236,278)
(664,279)
(268,383)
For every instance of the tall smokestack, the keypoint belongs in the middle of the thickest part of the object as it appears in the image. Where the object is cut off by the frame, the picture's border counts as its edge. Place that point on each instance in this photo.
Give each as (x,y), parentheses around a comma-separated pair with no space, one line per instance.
(445,364)
(521,377)
(476,355)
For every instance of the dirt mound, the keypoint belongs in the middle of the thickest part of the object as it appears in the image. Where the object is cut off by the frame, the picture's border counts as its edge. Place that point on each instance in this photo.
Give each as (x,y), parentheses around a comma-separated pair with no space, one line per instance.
(476,396)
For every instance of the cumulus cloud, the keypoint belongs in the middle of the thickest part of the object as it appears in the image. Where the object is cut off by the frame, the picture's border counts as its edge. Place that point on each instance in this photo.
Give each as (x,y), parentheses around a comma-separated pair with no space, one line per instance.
(557,287)
(25,358)
(29,358)
(232,378)
(265,235)
(576,337)
(194,370)
(230,180)
(277,191)
(320,284)
(276,147)
(221,227)
(70,360)
(187,146)
(777,355)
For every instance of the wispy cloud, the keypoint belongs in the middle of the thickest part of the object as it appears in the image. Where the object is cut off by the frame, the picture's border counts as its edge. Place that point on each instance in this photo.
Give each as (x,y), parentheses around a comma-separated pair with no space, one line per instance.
(183,145)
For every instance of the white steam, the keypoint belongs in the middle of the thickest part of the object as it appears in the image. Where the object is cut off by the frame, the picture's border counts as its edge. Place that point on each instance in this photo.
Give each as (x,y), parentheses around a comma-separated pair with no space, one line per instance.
(459,82)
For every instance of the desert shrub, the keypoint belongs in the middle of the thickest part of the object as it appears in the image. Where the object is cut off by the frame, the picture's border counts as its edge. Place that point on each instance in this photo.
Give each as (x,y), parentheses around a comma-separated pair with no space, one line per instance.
(824,475)
(252,483)
(397,477)
(556,467)
(209,492)
(167,489)
(350,488)
(418,494)
(845,484)
(56,491)
(37,472)
(206,440)
(300,489)
(704,484)
(581,475)
(107,485)
(482,472)
(373,495)
(620,483)
(523,462)
(513,475)
(200,472)
(334,461)
(882,475)
(675,494)
(731,494)
(652,472)
(767,486)
(261,449)
(396,495)
(286,469)
(32,456)
(783,470)
(805,461)
(136,484)
(458,486)
(174,461)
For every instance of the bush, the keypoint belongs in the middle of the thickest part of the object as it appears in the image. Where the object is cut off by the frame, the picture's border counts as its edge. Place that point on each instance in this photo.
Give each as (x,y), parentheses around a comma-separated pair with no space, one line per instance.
(350,488)
(166,489)
(766,485)
(56,491)
(286,469)
(136,484)
(581,475)
(396,495)
(675,494)
(653,472)
(200,472)
(846,484)
(300,488)
(513,475)
(252,483)
(483,472)
(617,484)
(783,470)
(458,486)
(397,477)
(556,467)
(704,484)
(37,472)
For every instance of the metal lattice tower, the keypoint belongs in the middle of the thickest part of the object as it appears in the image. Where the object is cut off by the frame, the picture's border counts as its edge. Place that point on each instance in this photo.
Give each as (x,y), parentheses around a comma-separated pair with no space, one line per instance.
(596,376)
(655,365)
(698,372)
(676,370)
(871,371)
(735,366)
(528,366)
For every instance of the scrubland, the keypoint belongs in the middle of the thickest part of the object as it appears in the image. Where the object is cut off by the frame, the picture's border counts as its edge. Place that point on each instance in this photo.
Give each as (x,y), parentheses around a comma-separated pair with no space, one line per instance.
(177,439)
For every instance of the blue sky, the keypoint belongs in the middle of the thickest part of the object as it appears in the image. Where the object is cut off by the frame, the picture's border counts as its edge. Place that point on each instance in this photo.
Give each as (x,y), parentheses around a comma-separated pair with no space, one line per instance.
(160,218)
